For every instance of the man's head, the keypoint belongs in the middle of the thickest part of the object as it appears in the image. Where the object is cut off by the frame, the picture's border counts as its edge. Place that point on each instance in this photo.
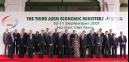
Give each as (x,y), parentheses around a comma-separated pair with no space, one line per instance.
(74,31)
(23,29)
(7,30)
(121,33)
(106,32)
(47,29)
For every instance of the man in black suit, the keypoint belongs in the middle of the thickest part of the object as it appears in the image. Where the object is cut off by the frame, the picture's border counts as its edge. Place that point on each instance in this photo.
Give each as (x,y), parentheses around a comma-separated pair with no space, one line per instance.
(46,39)
(17,40)
(50,45)
(65,39)
(30,44)
(114,45)
(106,41)
(41,44)
(5,35)
(10,41)
(91,37)
(83,44)
(122,41)
(55,37)
(22,43)
(98,43)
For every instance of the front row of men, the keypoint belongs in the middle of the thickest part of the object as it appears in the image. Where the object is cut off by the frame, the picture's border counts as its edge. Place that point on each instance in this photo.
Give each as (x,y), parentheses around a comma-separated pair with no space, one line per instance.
(64,44)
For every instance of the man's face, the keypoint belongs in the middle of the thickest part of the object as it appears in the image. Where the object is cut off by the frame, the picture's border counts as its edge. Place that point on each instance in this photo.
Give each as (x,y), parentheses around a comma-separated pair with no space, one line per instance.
(106,33)
(121,33)
(23,30)
(110,30)
(42,31)
(100,29)
(7,30)
(66,31)
(15,30)
(47,29)
(55,30)
(74,31)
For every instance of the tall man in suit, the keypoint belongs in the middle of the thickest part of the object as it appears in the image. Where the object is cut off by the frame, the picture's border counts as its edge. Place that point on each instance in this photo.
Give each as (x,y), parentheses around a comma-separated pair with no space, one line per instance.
(114,45)
(83,44)
(106,44)
(17,40)
(122,41)
(91,37)
(55,37)
(98,43)
(5,35)
(22,43)
(50,45)
(11,41)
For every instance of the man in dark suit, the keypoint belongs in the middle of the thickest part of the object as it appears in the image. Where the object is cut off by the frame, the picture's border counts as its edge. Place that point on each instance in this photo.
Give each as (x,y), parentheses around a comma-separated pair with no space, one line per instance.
(5,34)
(10,41)
(22,43)
(106,41)
(46,40)
(83,44)
(50,45)
(41,44)
(30,44)
(65,39)
(111,39)
(98,43)
(55,37)
(122,41)
(114,45)
(17,40)
(91,42)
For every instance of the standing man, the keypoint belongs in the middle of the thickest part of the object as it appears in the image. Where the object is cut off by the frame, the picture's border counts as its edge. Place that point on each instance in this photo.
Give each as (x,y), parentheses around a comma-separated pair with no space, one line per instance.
(55,37)
(22,43)
(46,39)
(17,40)
(83,44)
(65,40)
(5,35)
(50,45)
(11,41)
(91,37)
(98,43)
(114,46)
(122,41)
(106,44)
(30,44)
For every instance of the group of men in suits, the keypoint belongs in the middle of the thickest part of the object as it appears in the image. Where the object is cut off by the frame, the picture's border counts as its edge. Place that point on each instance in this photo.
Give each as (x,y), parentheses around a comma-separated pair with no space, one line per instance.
(60,44)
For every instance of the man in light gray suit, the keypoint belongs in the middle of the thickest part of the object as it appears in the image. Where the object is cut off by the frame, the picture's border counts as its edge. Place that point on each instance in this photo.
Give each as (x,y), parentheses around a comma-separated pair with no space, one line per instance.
(5,35)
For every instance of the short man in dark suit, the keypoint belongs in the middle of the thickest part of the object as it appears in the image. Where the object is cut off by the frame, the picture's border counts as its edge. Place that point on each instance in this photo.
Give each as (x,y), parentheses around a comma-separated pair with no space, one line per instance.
(11,41)
(5,34)
(91,37)
(122,41)
(114,46)
(17,40)
(83,44)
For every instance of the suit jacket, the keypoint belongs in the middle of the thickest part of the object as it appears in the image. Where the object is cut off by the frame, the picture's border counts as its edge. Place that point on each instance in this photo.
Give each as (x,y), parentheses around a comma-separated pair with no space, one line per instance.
(111,38)
(83,42)
(55,37)
(106,40)
(5,35)
(46,38)
(10,39)
(91,39)
(16,38)
(121,41)
(115,42)
(50,40)
(30,41)
(23,40)
(65,40)
(99,40)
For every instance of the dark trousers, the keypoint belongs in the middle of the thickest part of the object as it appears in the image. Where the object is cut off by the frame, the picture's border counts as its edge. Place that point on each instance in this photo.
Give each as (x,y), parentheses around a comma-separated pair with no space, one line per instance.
(30,52)
(91,51)
(82,51)
(60,51)
(98,51)
(106,51)
(17,49)
(123,49)
(41,51)
(114,51)
(21,52)
(67,52)
(10,51)
(6,47)
(51,51)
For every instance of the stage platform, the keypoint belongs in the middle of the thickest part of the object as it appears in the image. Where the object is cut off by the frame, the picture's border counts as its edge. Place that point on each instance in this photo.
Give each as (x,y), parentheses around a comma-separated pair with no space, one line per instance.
(4,58)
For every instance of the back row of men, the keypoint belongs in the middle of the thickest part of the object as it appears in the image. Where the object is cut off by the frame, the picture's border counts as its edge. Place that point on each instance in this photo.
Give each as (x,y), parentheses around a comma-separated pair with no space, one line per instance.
(64,44)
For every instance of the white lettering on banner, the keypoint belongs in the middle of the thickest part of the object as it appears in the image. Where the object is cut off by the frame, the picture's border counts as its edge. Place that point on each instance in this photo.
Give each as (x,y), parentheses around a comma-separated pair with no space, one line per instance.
(78,21)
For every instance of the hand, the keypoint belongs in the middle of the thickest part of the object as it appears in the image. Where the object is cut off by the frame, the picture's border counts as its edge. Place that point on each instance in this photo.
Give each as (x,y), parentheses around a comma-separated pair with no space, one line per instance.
(9,45)
(51,44)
